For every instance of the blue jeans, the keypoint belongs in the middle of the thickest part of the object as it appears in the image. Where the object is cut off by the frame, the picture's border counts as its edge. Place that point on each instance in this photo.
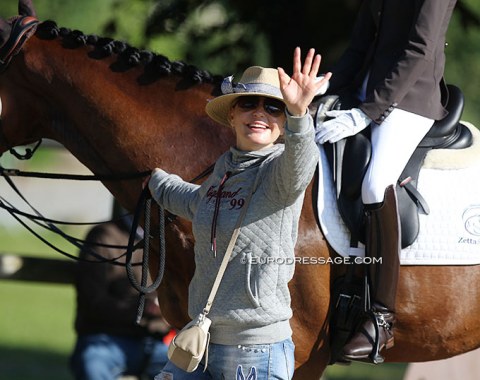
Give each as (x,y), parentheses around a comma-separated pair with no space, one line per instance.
(249,362)
(106,357)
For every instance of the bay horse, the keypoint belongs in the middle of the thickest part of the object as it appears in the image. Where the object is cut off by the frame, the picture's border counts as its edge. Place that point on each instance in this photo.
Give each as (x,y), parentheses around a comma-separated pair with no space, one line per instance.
(120,110)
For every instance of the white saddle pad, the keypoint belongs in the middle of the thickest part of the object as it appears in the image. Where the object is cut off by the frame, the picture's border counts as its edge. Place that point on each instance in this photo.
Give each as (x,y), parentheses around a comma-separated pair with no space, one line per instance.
(450,235)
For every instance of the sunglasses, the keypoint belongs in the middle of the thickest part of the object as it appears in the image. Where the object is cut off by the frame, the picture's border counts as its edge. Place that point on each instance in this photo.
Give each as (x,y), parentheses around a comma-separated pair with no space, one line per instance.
(271,106)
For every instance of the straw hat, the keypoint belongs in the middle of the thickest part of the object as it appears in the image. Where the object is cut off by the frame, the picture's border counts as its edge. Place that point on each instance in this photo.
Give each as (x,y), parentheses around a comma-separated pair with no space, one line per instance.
(256,80)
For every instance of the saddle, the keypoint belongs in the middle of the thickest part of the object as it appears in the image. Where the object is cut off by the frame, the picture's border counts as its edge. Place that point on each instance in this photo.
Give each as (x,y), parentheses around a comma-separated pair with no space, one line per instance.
(349,159)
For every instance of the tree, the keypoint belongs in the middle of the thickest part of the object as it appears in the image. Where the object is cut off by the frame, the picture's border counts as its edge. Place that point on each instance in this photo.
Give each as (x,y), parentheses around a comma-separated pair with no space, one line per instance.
(225,36)
(228,35)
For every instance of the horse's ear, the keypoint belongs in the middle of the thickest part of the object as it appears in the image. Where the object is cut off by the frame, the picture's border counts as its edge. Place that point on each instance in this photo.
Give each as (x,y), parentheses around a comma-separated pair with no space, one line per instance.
(25,8)
(5,30)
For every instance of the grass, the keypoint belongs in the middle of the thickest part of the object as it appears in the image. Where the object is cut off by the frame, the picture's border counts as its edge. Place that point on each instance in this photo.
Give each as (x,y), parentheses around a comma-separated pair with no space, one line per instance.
(36,319)
(36,324)
(360,371)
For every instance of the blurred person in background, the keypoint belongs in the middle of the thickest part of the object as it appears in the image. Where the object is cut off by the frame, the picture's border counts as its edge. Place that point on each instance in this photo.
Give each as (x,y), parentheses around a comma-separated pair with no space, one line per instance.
(109,342)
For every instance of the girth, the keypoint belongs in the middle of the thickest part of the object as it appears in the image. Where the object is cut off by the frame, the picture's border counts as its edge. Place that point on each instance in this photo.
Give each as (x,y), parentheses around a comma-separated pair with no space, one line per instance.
(349,159)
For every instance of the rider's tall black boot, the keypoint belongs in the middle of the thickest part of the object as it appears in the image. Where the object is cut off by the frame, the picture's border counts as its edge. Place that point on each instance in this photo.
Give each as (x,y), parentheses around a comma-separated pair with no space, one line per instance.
(382,242)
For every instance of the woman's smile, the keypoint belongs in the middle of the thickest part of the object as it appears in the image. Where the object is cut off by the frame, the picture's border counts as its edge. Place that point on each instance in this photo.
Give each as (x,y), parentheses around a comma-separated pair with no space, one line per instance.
(257,125)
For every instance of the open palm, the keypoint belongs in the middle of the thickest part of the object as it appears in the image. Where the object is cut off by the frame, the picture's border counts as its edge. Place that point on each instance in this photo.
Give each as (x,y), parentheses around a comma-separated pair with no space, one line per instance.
(299,90)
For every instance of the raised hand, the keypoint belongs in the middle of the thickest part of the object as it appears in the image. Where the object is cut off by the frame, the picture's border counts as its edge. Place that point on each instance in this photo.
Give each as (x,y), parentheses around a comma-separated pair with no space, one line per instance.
(299,90)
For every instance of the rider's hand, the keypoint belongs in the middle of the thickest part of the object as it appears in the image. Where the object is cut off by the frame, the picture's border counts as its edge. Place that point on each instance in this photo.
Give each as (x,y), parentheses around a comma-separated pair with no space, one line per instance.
(345,123)
(299,90)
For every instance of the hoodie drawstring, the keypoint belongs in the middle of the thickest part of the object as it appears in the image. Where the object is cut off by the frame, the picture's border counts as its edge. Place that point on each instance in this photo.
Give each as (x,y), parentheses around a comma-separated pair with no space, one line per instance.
(213,236)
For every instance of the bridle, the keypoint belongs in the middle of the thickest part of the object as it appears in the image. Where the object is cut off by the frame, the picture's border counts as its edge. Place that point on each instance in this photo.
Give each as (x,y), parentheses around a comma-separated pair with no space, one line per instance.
(23,27)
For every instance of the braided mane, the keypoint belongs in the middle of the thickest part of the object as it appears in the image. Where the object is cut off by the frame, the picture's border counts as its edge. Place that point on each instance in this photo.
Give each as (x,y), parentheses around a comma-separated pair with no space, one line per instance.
(155,66)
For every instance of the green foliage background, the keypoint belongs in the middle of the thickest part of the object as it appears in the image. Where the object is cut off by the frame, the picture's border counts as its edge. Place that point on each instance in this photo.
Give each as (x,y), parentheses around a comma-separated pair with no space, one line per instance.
(226,36)
(36,320)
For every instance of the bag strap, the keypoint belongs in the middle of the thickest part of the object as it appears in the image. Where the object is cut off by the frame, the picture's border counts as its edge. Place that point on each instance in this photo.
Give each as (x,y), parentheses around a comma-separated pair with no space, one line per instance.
(228,254)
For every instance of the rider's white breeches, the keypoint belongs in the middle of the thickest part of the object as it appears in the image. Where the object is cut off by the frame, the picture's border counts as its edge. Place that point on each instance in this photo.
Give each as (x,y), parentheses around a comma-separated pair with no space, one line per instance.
(393,142)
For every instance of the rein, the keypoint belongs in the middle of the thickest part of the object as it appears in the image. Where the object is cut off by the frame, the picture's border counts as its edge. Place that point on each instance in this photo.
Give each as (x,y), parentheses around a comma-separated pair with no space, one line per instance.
(4,172)
(144,204)
(50,225)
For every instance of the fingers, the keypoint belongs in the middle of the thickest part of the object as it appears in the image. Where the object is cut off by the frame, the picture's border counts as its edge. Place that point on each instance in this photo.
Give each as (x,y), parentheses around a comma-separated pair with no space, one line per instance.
(315,65)
(322,136)
(332,137)
(329,133)
(307,66)
(312,62)
(306,69)
(311,65)
(327,76)
(297,64)
(328,129)
(283,77)
(325,129)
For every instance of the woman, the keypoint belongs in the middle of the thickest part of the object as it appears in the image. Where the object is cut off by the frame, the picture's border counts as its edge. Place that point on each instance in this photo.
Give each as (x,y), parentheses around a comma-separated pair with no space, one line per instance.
(394,66)
(250,332)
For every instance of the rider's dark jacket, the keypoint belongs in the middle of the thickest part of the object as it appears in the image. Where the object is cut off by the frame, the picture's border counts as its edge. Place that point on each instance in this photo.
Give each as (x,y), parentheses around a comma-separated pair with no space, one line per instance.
(400,45)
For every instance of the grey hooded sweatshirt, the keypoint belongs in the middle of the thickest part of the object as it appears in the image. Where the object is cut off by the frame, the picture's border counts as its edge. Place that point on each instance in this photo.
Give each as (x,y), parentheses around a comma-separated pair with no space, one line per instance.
(252,305)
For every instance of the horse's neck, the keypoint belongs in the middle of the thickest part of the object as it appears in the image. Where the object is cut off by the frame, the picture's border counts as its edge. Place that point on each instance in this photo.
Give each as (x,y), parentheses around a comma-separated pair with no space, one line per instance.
(113,124)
